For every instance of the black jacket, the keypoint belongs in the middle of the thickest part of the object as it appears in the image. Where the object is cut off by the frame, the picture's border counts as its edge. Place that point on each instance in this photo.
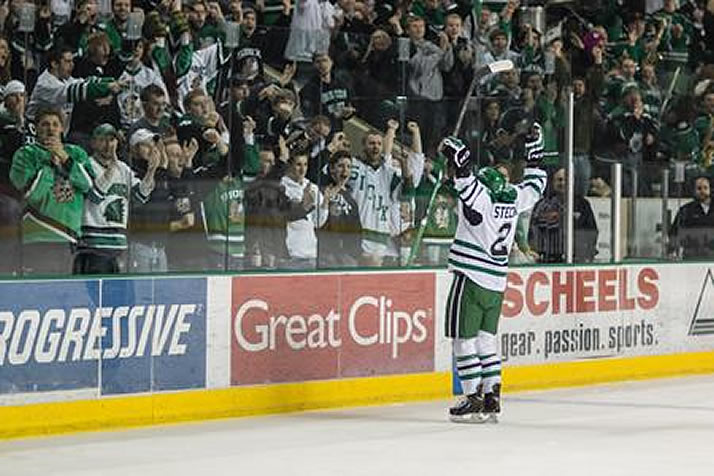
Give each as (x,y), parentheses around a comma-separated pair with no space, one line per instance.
(693,230)
(340,236)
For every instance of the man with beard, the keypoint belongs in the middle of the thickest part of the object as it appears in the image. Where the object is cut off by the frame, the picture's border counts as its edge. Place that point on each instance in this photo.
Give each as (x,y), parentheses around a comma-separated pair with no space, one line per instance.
(377,186)
(692,233)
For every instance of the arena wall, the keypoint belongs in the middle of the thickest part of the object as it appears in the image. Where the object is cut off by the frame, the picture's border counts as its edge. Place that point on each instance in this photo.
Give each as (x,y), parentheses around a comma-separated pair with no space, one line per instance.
(103,353)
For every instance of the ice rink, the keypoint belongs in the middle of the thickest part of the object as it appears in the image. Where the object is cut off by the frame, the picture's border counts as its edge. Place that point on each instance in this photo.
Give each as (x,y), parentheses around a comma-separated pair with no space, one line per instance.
(660,427)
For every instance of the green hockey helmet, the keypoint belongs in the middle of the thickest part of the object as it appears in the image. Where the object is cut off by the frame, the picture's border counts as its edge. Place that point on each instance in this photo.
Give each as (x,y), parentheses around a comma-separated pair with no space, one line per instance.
(499,189)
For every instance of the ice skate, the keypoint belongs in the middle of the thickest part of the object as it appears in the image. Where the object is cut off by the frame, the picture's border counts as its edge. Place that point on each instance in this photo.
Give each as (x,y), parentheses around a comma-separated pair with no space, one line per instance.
(468,410)
(492,405)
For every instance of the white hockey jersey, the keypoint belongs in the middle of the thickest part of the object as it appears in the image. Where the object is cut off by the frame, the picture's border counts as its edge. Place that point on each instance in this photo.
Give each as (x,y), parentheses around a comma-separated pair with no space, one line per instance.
(205,64)
(486,229)
(104,222)
(129,99)
(50,91)
(377,190)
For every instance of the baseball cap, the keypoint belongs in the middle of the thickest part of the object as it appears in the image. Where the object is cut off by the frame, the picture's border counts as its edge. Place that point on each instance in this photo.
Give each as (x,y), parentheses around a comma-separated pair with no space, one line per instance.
(105,129)
(13,87)
(142,135)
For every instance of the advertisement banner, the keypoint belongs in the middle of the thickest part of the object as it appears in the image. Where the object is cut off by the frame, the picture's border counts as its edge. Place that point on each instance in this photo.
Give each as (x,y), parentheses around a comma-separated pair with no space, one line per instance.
(295,328)
(118,336)
(565,314)
(155,337)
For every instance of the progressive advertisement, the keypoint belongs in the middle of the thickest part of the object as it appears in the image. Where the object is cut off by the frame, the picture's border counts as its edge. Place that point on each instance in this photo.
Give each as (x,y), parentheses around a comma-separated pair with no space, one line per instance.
(118,336)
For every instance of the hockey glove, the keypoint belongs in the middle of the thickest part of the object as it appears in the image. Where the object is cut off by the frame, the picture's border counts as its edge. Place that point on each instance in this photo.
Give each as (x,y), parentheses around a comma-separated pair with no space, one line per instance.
(456,154)
(534,146)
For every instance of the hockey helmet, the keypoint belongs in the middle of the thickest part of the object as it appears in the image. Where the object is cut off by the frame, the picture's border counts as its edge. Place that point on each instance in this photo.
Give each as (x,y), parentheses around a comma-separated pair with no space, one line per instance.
(497,186)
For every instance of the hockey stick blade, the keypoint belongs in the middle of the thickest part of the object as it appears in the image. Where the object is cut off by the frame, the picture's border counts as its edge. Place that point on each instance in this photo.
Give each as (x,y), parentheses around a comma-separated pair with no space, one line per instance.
(491,68)
(498,67)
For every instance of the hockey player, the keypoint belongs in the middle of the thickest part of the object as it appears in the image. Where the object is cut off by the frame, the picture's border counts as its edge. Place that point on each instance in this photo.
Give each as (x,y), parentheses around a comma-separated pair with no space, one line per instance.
(478,257)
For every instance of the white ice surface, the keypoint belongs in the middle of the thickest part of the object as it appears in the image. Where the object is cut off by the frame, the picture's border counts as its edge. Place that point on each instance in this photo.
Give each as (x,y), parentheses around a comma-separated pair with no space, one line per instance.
(662,427)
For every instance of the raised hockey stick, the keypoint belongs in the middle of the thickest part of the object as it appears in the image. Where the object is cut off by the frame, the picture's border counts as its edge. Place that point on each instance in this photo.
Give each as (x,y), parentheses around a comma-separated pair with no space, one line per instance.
(491,68)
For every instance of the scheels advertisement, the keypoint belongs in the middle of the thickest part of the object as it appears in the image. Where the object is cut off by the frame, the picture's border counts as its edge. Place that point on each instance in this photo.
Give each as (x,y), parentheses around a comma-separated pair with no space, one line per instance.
(570,313)
(290,328)
(119,336)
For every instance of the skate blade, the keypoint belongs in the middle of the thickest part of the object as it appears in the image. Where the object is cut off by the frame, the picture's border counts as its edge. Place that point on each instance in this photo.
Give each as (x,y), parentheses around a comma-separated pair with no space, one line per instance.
(473,418)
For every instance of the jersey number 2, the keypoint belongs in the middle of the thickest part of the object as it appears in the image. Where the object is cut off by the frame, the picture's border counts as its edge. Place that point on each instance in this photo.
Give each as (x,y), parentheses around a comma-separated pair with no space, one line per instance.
(499,247)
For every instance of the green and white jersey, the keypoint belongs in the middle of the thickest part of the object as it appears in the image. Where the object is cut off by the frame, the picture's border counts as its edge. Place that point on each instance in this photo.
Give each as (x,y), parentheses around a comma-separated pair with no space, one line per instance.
(487,228)
(51,91)
(54,196)
(377,192)
(223,214)
(198,69)
(129,98)
(104,222)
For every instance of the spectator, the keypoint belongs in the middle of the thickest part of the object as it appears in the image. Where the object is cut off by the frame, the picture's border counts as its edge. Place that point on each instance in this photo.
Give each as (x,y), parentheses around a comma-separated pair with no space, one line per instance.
(301,238)
(13,135)
(651,91)
(548,224)
(586,116)
(704,126)
(75,33)
(104,222)
(339,238)
(378,77)
(326,95)
(268,210)
(508,89)
(309,30)
(252,44)
(115,28)
(224,209)
(205,20)
(186,240)
(233,114)
(136,76)
(276,122)
(206,127)
(458,77)
(5,75)
(55,178)
(56,88)
(692,232)
(28,51)
(89,114)
(498,48)
(635,132)
(153,107)
(377,186)
(313,140)
(425,81)
(149,223)
(14,132)
(197,66)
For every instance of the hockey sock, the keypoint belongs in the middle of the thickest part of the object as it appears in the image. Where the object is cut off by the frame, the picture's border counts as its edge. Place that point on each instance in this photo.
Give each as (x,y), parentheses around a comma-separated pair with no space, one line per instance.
(490,360)
(468,365)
